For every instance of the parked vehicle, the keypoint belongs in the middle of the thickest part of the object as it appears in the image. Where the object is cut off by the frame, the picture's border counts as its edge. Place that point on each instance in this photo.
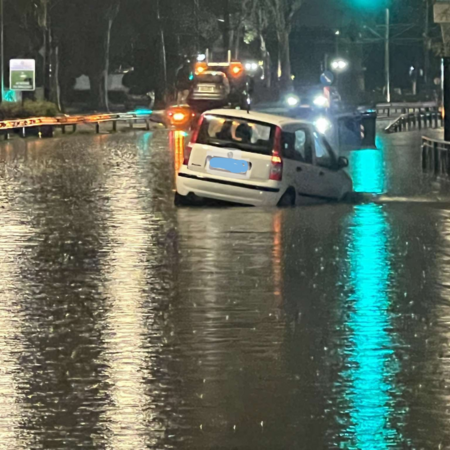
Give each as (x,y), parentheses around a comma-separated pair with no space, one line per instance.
(259,159)
(210,89)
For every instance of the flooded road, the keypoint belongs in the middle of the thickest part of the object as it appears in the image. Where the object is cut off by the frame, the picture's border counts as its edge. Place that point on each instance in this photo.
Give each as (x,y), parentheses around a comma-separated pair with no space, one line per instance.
(126,323)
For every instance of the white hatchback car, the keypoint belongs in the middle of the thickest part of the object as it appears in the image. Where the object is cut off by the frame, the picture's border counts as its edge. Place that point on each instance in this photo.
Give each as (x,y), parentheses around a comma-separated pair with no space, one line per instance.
(261,160)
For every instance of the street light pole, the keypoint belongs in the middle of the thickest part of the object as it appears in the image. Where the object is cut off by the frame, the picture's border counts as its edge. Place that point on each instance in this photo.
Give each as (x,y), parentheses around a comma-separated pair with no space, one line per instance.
(387,57)
(163,47)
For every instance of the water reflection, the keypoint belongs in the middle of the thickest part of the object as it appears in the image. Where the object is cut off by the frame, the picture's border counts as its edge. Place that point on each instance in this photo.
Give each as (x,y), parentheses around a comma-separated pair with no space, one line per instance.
(130,419)
(277,255)
(369,378)
(177,141)
(13,235)
(368,170)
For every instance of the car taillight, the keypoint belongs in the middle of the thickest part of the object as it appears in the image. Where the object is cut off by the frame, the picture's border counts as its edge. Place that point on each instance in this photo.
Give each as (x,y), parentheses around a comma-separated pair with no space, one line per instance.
(179,117)
(276,165)
(187,155)
(194,137)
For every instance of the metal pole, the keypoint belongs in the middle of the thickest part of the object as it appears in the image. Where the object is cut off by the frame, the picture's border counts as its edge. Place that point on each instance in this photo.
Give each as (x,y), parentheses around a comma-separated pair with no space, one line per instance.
(44,57)
(227,28)
(446,96)
(426,62)
(387,58)
(2,50)
(163,48)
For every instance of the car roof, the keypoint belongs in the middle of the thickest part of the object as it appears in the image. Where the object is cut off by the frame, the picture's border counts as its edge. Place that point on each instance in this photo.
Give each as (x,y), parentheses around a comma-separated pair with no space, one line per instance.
(271,119)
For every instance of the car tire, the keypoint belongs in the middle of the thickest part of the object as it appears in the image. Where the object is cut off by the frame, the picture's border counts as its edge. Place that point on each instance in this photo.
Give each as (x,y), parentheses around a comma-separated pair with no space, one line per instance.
(288,199)
(181,200)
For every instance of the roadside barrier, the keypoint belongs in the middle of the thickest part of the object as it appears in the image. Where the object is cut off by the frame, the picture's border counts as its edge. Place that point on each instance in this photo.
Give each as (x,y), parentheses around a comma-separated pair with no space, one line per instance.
(419,120)
(389,109)
(436,157)
(44,126)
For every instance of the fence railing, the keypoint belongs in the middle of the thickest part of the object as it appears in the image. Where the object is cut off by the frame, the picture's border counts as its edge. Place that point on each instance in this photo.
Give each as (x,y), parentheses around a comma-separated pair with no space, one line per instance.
(436,157)
(44,126)
(393,109)
(419,120)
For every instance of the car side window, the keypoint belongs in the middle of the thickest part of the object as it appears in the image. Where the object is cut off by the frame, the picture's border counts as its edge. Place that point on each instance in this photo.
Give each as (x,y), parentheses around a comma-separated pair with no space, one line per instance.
(288,142)
(324,154)
(297,146)
(303,145)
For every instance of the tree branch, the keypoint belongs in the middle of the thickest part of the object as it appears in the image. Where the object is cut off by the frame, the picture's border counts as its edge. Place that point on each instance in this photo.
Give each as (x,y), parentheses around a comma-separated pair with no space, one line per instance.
(294,6)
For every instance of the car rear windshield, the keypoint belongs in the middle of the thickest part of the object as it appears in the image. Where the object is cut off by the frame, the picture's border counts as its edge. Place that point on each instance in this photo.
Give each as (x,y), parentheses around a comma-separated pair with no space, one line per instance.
(242,134)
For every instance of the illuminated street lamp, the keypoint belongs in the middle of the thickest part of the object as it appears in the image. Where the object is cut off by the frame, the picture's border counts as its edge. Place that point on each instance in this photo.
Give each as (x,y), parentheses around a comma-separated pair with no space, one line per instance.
(339,65)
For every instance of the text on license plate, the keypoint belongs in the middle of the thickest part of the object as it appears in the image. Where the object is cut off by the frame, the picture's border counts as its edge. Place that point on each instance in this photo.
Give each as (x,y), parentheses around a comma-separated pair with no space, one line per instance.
(206,88)
(229,165)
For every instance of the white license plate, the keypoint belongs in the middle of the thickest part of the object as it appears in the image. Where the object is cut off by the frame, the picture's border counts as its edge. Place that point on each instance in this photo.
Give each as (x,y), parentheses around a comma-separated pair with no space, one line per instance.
(206,88)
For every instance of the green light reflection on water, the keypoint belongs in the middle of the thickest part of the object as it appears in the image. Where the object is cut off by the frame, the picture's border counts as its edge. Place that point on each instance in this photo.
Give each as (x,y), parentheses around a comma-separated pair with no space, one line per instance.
(367,169)
(144,142)
(369,379)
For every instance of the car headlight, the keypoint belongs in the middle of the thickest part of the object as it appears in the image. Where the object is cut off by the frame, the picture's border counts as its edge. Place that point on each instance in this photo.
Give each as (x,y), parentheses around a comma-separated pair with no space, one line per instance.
(322,125)
(292,100)
(321,101)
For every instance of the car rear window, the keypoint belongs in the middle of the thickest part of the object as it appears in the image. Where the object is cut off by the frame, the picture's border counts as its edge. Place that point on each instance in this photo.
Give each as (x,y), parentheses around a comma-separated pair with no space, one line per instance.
(242,134)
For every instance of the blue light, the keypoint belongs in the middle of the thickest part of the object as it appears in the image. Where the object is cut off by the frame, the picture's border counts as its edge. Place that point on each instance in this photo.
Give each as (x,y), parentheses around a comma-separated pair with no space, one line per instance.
(143,112)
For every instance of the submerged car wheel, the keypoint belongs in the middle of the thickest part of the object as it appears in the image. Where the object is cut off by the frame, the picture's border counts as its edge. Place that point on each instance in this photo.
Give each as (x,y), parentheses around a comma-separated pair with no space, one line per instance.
(288,199)
(181,200)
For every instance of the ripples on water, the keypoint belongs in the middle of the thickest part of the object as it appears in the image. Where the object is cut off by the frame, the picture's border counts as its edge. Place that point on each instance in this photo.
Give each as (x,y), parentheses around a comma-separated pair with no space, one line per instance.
(128,324)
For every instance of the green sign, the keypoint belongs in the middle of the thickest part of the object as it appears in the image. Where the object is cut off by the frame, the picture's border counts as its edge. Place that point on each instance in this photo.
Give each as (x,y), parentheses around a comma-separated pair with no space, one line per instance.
(22,74)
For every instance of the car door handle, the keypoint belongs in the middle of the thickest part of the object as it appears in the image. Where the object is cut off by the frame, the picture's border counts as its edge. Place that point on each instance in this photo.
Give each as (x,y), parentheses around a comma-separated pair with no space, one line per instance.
(321,174)
(299,169)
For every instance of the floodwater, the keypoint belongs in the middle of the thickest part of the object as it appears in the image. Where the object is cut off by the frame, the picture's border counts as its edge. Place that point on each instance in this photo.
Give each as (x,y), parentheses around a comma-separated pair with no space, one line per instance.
(126,323)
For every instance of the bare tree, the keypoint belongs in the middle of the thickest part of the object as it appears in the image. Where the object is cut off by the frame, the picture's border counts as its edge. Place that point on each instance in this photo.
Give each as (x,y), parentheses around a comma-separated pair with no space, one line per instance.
(111,13)
(283,13)
(257,15)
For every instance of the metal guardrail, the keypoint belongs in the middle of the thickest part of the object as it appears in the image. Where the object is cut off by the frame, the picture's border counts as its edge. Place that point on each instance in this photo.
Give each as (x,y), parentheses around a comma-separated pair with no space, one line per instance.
(389,109)
(436,157)
(431,119)
(45,125)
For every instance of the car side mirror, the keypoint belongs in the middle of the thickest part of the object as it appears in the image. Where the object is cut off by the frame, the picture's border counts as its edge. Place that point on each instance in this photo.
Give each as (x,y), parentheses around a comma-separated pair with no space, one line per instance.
(342,162)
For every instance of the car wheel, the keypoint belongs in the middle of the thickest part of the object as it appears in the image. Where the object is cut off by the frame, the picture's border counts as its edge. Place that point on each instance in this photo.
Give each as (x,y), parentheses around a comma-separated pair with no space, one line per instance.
(181,200)
(288,199)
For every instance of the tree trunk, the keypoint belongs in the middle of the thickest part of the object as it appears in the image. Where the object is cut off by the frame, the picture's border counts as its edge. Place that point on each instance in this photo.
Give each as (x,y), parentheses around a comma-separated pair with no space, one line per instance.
(163,51)
(112,12)
(284,54)
(107,52)
(267,63)
(55,87)
(237,42)
(97,86)
(227,27)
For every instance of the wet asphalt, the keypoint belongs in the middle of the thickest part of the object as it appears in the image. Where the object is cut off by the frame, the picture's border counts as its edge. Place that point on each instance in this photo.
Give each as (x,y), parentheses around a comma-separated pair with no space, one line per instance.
(126,323)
